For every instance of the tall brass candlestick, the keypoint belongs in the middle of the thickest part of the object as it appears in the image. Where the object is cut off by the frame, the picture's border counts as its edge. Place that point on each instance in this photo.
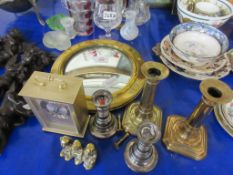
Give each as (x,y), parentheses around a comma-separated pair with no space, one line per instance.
(137,113)
(188,136)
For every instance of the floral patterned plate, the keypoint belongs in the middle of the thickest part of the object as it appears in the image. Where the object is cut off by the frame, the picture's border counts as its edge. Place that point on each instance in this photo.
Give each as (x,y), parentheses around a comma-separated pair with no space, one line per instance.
(227,110)
(166,50)
(188,73)
(224,115)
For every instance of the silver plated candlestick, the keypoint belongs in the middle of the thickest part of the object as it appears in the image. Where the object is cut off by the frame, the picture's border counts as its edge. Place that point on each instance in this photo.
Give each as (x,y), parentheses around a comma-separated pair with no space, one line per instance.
(140,154)
(103,124)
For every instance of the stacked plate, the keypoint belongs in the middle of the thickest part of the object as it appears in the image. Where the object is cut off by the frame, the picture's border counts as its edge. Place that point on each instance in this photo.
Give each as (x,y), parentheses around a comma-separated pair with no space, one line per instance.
(190,63)
(224,115)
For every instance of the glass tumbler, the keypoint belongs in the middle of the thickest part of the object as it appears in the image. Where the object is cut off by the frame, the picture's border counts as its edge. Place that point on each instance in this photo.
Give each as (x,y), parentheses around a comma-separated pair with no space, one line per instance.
(82,12)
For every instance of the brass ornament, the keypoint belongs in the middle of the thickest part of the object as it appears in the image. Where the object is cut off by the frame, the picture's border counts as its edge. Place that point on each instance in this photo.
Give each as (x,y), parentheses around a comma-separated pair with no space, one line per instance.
(89,156)
(73,149)
(188,136)
(136,113)
(66,143)
(77,152)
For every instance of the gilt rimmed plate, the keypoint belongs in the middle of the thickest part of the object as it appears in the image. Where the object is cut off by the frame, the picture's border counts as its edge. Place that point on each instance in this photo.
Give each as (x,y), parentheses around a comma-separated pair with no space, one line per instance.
(224,116)
(166,49)
(227,110)
(224,71)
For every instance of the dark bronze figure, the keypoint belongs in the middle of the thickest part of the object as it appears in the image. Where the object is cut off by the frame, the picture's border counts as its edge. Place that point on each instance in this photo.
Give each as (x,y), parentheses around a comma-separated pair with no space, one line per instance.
(20,60)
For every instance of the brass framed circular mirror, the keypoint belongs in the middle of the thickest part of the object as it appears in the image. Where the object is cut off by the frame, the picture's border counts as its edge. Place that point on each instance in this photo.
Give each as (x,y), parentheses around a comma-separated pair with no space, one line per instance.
(104,64)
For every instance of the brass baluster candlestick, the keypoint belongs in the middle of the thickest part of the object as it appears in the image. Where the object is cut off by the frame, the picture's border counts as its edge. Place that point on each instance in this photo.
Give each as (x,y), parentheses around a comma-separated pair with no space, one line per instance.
(103,124)
(136,113)
(188,136)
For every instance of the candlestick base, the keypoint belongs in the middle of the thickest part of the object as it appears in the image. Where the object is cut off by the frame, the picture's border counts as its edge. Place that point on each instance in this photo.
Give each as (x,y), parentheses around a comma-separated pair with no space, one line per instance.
(131,122)
(184,139)
(140,165)
(103,131)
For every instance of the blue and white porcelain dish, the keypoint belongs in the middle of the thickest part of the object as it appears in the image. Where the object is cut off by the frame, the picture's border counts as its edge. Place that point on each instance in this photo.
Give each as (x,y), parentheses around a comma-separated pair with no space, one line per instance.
(186,15)
(198,43)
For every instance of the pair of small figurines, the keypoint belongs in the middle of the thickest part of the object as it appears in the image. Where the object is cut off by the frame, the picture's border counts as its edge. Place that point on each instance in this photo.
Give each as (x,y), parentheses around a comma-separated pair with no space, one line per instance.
(73,149)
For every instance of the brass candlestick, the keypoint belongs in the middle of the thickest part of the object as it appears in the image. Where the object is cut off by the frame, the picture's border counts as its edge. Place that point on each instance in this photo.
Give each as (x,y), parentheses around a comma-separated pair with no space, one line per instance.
(137,113)
(188,136)
(103,124)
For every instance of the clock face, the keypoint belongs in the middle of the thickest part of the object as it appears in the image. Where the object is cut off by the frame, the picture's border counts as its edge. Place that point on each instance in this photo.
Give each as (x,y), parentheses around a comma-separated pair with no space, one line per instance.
(55,114)
(101,67)
(55,110)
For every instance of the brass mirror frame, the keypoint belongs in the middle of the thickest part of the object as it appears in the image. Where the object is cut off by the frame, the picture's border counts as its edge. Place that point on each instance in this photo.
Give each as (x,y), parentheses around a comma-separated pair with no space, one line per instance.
(120,97)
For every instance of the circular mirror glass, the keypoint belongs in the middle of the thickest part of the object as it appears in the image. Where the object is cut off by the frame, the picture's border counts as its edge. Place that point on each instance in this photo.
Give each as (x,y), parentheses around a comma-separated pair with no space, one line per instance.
(101,68)
(103,64)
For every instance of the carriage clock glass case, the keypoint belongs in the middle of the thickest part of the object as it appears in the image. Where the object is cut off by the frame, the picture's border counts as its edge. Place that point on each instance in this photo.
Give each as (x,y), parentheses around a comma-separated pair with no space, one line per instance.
(103,64)
(58,102)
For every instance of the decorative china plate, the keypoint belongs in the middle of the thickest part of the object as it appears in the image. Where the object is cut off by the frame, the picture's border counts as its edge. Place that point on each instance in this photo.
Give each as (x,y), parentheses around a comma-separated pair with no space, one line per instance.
(207,8)
(188,73)
(185,15)
(224,115)
(166,49)
(227,110)
(197,44)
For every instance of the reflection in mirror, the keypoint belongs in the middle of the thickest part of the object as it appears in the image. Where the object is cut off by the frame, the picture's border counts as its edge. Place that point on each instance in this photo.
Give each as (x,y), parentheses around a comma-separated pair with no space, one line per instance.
(102,68)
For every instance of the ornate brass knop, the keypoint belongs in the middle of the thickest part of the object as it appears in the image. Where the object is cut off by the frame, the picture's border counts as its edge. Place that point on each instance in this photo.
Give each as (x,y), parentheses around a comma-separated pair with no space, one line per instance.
(188,136)
(89,156)
(103,124)
(77,152)
(66,143)
(137,113)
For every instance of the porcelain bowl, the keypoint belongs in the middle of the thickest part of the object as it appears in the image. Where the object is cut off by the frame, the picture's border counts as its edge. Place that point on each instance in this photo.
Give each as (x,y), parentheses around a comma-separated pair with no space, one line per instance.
(217,21)
(198,43)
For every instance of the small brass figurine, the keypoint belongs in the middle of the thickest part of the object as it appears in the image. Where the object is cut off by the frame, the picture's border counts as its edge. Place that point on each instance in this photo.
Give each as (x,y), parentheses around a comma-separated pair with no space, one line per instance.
(89,156)
(103,124)
(136,113)
(188,136)
(77,152)
(140,154)
(66,144)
